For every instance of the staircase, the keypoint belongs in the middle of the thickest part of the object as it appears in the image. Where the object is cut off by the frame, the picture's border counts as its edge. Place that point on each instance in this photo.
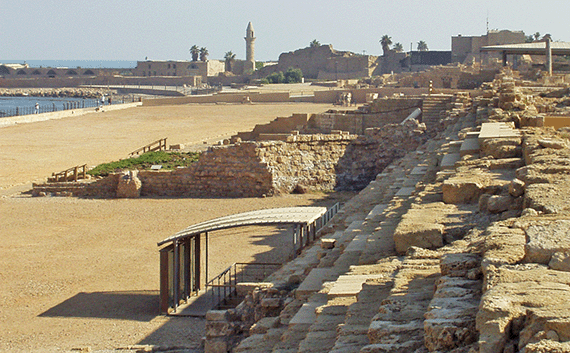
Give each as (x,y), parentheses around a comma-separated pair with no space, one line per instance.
(433,110)
(361,296)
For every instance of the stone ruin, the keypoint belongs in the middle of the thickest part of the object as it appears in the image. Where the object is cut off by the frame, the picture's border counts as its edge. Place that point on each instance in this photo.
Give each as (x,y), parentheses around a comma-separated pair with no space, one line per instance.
(458,246)
(336,150)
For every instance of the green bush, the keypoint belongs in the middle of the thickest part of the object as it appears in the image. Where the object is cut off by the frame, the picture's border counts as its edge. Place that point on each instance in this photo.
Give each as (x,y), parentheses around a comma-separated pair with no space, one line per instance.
(168,160)
(276,77)
(290,76)
(293,75)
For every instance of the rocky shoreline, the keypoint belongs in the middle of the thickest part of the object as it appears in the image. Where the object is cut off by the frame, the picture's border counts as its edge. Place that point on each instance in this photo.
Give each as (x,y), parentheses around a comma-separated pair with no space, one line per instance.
(71,92)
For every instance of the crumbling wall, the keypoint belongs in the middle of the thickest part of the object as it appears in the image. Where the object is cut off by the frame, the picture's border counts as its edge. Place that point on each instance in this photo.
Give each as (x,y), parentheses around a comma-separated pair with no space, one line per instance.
(254,169)
(231,171)
(305,162)
(380,112)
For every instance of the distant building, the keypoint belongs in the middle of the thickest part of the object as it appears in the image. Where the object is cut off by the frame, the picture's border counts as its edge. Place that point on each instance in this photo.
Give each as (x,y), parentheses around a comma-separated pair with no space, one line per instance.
(179,68)
(465,49)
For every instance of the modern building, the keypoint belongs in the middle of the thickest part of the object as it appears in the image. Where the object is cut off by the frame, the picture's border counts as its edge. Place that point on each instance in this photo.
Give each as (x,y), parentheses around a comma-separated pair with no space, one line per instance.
(466,49)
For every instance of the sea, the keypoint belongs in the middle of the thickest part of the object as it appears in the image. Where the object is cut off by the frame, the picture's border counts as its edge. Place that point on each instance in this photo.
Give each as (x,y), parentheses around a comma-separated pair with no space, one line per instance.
(86,64)
(9,104)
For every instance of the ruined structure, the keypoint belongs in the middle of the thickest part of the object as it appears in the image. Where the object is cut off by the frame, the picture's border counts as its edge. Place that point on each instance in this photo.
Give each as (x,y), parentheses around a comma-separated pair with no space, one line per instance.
(459,246)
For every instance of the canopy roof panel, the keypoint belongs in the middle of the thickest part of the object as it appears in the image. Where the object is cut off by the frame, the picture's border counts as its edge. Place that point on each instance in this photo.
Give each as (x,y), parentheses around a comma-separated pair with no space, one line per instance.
(286,215)
(537,48)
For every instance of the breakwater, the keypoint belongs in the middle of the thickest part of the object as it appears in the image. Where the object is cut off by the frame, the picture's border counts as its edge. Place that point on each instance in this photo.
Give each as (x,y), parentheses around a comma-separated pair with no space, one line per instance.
(67,92)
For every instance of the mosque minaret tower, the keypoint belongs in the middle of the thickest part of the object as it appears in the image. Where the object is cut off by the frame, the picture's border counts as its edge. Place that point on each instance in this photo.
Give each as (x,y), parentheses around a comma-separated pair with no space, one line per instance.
(249,48)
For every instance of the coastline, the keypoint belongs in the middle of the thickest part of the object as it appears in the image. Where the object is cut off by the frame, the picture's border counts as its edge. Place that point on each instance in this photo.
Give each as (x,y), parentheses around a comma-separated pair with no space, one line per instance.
(23,119)
(66,92)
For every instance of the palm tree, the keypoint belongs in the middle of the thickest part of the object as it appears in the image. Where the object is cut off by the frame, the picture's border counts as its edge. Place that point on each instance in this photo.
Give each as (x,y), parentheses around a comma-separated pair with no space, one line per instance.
(422,46)
(195,51)
(204,54)
(386,41)
(229,57)
(398,47)
(314,43)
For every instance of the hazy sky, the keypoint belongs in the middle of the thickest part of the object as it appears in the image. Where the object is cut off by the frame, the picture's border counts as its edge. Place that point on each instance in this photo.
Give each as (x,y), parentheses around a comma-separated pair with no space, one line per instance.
(166,29)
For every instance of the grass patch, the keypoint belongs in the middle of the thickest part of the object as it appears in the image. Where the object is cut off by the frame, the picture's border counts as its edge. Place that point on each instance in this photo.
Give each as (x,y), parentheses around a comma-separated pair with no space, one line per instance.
(168,160)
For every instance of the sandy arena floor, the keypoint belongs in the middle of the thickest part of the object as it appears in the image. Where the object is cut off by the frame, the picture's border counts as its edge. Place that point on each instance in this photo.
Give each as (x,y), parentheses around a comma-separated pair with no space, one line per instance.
(79,273)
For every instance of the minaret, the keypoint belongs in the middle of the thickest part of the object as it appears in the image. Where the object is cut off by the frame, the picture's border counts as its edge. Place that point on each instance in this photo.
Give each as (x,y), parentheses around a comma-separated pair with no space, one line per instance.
(249,49)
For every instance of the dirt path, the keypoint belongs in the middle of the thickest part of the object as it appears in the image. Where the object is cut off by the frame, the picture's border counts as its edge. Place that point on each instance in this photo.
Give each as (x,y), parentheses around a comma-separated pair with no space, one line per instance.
(81,273)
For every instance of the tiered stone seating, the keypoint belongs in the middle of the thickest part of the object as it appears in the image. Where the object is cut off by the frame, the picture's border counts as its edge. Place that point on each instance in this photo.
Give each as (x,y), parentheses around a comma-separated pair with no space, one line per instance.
(361,296)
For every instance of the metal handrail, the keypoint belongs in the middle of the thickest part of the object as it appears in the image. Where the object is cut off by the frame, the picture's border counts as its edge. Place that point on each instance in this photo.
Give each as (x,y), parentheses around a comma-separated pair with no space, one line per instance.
(223,287)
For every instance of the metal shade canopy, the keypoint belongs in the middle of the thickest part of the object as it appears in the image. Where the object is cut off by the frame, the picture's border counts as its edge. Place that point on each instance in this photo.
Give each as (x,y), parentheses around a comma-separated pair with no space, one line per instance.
(538,48)
(286,215)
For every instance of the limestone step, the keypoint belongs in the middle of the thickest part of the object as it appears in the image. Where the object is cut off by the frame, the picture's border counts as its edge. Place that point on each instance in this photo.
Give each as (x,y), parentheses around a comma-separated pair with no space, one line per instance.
(469,146)
(497,130)
(313,282)
(350,285)
(449,160)
(306,315)
(322,334)
(376,211)
(400,318)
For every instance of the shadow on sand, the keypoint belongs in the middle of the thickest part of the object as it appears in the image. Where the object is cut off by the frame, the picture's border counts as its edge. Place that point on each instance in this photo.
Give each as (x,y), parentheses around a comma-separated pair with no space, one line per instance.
(129,305)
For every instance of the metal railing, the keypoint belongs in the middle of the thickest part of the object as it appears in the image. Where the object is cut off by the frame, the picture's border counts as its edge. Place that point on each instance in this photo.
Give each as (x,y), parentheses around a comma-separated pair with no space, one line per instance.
(222,288)
(60,106)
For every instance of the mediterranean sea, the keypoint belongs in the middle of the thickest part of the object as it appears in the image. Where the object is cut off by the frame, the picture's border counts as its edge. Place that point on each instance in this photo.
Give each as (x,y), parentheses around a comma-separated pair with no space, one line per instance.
(87,64)
(26,105)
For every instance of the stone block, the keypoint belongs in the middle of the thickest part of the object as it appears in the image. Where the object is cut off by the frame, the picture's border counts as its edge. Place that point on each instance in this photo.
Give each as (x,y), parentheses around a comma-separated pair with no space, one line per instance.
(449,160)
(499,203)
(503,245)
(264,325)
(469,146)
(447,334)
(129,185)
(217,328)
(270,303)
(327,243)
(457,265)
(547,197)
(560,261)
(459,191)
(244,288)
(312,283)
(546,239)
(379,329)
(217,315)
(220,345)
(552,143)
(516,188)
(423,235)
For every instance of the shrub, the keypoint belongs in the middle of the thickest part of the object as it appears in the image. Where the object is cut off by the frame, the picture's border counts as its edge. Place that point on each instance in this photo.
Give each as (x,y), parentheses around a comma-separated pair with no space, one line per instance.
(290,76)
(293,75)
(168,160)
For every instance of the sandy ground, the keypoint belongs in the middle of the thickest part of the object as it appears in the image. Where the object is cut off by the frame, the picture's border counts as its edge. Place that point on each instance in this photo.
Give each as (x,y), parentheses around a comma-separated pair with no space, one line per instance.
(79,273)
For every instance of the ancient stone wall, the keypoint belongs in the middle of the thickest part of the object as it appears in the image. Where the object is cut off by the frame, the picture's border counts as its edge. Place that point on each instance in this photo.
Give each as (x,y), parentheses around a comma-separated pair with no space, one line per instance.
(382,112)
(305,162)
(232,171)
(255,169)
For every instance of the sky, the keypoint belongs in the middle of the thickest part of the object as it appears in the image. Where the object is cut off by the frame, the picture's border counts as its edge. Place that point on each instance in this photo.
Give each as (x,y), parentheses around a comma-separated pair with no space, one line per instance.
(166,29)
